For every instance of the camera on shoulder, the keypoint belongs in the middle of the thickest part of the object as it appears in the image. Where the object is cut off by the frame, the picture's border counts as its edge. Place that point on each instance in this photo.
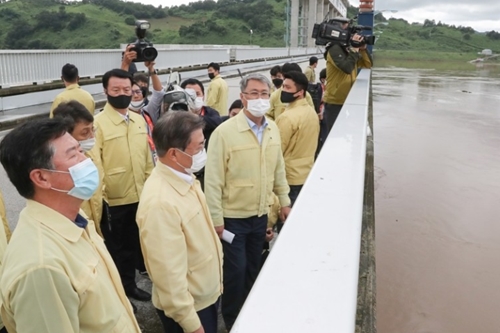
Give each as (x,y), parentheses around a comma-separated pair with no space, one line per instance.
(144,49)
(340,30)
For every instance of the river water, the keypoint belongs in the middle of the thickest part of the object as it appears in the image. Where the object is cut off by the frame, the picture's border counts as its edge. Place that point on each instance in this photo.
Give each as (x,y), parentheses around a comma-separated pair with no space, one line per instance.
(437,178)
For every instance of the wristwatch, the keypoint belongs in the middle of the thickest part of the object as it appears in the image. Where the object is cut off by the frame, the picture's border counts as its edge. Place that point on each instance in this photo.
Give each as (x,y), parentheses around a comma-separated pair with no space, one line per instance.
(155,72)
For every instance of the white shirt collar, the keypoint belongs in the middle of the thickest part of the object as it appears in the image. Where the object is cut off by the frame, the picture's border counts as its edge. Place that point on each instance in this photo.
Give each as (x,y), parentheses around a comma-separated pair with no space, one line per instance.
(188,178)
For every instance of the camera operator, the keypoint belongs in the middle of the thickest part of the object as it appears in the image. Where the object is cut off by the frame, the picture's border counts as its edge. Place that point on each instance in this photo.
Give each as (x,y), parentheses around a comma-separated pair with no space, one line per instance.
(342,63)
(139,94)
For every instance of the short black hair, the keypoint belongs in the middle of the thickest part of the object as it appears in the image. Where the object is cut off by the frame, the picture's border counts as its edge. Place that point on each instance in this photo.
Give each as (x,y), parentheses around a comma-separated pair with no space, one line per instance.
(275,70)
(291,66)
(174,129)
(140,77)
(72,113)
(237,104)
(193,82)
(313,60)
(322,74)
(28,147)
(69,73)
(300,80)
(117,72)
(214,65)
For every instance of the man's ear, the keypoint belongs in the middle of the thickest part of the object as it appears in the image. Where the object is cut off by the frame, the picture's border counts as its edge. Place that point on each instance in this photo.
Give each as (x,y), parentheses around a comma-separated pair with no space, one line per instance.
(40,178)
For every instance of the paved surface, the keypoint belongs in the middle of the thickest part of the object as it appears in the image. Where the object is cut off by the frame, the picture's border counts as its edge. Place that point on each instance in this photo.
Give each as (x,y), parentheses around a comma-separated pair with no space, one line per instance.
(146,315)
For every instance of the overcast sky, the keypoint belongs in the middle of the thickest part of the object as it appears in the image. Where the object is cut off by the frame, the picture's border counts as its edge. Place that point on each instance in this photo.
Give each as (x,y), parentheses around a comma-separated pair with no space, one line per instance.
(482,15)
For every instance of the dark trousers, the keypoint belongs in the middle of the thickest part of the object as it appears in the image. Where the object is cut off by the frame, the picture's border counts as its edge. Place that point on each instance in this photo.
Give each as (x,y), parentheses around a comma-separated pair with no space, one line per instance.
(330,114)
(122,241)
(294,192)
(323,134)
(3,330)
(208,318)
(241,262)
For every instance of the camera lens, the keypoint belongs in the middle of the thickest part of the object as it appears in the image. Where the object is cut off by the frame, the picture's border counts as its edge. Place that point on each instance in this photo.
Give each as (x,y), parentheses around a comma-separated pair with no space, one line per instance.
(149,53)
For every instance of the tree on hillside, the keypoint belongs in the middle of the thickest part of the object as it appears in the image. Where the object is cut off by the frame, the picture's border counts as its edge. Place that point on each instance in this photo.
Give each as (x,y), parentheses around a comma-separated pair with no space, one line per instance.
(493,35)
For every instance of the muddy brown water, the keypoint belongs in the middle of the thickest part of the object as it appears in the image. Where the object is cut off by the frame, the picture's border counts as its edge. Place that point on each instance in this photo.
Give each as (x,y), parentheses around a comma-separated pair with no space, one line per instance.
(437,178)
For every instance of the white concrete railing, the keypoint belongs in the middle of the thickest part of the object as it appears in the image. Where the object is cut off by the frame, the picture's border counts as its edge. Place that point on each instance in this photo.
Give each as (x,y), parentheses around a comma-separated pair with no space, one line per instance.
(309,282)
(18,67)
(24,67)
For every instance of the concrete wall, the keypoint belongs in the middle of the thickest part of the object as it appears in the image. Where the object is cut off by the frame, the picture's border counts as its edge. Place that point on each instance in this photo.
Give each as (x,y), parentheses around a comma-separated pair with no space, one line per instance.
(306,13)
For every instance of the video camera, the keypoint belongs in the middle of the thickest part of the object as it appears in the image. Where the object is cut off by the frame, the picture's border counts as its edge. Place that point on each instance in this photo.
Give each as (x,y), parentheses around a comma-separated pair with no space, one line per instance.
(144,49)
(331,31)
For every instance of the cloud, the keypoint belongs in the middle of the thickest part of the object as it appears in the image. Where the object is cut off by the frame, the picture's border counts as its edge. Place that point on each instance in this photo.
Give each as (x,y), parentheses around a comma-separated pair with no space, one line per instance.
(482,15)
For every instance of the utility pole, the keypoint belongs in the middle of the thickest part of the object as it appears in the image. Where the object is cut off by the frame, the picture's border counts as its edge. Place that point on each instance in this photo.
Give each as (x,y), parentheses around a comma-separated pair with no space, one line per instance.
(288,9)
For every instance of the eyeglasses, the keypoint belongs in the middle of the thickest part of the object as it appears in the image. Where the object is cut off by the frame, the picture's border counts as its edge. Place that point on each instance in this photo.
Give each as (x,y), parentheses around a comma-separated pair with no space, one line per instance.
(256,94)
(137,92)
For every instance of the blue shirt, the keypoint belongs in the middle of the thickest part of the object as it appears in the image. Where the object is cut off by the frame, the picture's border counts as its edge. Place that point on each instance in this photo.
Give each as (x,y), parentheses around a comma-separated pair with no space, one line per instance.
(81,222)
(258,131)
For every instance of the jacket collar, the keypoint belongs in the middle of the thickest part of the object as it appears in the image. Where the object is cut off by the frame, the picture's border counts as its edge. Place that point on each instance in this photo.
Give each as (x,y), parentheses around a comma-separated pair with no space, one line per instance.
(54,220)
(114,115)
(298,102)
(73,86)
(180,185)
(241,121)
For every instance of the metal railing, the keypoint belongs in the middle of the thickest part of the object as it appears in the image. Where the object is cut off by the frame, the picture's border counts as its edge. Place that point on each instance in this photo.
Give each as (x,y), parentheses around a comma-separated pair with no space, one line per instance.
(309,282)
(25,67)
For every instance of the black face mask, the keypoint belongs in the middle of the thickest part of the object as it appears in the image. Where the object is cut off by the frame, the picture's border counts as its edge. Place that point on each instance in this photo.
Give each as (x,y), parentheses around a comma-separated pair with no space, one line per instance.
(277,82)
(120,101)
(211,75)
(287,97)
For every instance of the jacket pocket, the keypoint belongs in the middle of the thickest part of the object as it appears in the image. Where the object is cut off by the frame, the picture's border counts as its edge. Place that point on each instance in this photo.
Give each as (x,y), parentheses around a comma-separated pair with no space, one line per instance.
(243,195)
(116,180)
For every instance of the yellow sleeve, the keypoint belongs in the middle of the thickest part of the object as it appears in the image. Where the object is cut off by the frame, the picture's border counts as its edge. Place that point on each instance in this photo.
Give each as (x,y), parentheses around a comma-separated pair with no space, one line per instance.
(164,247)
(309,74)
(272,102)
(213,93)
(55,104)
(365,61)
(281,188)
(3,216)
(93,106)
(309,99)
(43,285)
(215,177)
(286,131)
(149,163)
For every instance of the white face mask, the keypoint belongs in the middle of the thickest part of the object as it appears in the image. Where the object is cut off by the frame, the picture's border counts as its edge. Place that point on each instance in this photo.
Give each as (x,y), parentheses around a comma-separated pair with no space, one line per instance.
(198,163)
(198,103)
(136,106)
(258,107)
(87,144)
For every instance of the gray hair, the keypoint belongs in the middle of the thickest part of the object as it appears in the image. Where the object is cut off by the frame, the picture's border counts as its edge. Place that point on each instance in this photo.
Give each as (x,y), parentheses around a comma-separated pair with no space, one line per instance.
(174,129)
(254,76)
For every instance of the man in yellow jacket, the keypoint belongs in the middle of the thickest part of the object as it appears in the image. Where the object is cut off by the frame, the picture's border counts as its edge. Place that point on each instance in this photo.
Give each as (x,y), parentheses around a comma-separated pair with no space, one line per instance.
(276,106)
(73,91)
(182,252)
(299,130)
(244,167)
(81,127)
(122,144)
(57,275)
(217,93)
(342,63)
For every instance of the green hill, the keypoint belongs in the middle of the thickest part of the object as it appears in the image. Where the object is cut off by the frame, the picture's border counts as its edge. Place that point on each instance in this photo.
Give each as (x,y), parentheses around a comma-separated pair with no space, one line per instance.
(52,24)
(98,24)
